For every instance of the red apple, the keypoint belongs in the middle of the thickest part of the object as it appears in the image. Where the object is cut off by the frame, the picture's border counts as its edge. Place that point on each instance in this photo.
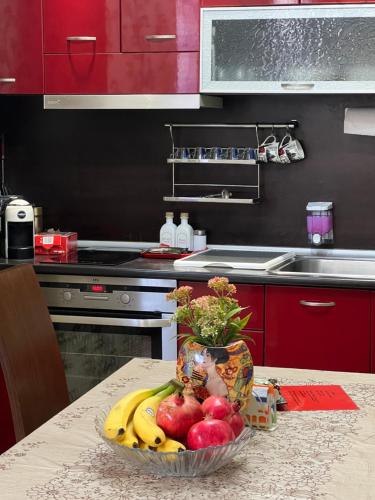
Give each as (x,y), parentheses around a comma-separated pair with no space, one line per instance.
(236,421)
(209,432)
(217,407)
(177,413)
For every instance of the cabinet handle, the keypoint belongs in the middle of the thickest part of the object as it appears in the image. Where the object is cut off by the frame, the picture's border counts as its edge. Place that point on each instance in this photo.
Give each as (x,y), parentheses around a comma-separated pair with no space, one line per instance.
(81,38)
(105,321)
(7,80)
(160,37)
(297,86)
(317,304)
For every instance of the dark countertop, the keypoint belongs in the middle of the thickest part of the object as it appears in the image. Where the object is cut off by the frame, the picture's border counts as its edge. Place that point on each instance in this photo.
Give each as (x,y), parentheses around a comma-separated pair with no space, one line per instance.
(163,268)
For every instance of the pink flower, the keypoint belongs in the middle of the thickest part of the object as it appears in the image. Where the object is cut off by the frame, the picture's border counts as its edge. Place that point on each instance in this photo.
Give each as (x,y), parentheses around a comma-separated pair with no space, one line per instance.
(181,295)
(221,286)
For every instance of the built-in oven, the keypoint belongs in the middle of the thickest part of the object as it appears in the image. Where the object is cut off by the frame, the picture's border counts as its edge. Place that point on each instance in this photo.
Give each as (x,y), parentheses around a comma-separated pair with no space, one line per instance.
(101,323)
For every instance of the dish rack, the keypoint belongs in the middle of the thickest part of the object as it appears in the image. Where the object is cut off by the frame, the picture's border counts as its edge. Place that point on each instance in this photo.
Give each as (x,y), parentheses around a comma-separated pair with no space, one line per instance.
(252,190)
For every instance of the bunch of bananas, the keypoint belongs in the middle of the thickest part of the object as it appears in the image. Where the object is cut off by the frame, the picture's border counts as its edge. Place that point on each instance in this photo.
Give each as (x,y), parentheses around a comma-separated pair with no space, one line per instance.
(131,421)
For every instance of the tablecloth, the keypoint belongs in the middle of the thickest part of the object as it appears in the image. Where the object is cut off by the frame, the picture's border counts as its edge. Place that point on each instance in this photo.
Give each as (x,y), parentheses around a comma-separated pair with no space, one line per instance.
(311,455)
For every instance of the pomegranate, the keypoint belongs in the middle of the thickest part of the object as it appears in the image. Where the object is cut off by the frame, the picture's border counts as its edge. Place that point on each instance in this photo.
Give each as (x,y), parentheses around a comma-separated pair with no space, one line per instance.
(236,421)
(177,413)
(217,407)
(236,406)
(209,432)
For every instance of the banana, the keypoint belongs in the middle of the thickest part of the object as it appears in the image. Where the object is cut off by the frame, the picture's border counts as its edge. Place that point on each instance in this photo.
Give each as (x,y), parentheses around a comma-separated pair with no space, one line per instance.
(128,439)
(145,418)
(144,446)
(170,445)
(118,416)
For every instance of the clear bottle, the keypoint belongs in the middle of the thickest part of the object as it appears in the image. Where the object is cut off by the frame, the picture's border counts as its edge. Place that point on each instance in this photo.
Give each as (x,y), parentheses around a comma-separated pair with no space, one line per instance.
(168,231)
(184,233)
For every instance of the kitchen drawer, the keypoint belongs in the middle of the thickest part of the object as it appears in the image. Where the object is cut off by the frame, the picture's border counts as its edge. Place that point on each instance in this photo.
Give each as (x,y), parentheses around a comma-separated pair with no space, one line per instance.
(249,296)
(98,19)
(317,328)
(160,25)
(153,73)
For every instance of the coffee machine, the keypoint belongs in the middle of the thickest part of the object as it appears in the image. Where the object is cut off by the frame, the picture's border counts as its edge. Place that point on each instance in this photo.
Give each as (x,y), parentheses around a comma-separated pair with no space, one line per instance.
(17,229)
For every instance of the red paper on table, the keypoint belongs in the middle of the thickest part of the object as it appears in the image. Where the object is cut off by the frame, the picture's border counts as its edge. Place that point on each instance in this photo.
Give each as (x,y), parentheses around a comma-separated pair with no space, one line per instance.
(317,397)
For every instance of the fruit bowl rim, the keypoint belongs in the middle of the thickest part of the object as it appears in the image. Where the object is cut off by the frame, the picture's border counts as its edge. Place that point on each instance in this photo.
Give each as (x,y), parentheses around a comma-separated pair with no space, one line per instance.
(247,433)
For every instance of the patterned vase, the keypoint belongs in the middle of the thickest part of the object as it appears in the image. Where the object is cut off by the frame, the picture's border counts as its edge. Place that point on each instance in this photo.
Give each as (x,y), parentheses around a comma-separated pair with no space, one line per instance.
(216,371)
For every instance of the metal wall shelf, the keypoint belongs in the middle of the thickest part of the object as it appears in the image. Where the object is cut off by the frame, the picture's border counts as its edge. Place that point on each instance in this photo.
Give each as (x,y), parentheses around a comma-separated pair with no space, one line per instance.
(202,199)
(213,162)
(291,124)
(225,195)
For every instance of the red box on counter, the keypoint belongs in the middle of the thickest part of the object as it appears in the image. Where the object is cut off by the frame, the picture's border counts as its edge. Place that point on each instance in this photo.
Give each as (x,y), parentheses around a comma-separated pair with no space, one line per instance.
(49,243)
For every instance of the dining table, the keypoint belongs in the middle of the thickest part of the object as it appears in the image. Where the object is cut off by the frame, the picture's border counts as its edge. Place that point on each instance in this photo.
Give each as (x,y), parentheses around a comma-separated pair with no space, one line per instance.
(310,455)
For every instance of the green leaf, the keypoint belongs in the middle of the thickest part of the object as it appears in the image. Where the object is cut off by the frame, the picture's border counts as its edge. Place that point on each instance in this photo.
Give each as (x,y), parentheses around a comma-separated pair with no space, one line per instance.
(233,312)
(244,321)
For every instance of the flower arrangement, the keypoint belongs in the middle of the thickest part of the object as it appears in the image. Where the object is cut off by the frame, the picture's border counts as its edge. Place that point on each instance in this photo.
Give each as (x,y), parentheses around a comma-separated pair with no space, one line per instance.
(213,319)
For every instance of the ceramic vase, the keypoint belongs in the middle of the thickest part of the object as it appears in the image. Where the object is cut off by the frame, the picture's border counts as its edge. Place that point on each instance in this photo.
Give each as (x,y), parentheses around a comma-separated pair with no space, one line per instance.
(216,371)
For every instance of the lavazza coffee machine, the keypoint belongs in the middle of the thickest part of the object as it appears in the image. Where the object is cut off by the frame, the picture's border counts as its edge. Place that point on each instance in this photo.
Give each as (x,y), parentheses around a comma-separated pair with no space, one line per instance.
(16,228)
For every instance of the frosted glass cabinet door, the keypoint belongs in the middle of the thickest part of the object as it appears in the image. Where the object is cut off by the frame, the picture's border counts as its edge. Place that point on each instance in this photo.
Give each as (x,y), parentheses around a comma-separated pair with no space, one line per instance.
(302,49)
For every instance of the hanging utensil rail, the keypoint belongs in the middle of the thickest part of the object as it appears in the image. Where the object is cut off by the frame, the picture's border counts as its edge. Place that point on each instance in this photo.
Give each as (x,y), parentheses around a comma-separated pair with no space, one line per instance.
(292,124)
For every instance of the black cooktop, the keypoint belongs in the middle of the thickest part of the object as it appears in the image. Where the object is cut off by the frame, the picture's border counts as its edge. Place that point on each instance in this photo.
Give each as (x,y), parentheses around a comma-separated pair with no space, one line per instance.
(91,257)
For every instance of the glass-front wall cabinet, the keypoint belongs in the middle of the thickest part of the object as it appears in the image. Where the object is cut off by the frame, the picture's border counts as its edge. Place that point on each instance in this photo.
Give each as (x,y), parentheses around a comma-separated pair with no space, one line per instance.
(295,49)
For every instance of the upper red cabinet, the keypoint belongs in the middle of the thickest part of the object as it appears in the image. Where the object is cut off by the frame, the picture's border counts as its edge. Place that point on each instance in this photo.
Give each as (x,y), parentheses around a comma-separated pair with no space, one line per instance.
(122,73)
(160,25)
(81,26)
(21,69)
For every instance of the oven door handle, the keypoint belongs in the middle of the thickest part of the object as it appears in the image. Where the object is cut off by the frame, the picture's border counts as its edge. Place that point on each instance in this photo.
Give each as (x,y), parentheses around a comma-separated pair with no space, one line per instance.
(94,320)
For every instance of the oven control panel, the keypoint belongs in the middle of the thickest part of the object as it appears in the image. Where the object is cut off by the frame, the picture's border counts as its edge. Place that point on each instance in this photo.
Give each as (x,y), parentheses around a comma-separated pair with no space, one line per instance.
(86,292)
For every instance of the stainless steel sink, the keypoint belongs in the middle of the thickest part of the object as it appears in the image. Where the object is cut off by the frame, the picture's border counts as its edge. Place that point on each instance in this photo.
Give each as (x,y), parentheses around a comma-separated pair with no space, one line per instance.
(328,267)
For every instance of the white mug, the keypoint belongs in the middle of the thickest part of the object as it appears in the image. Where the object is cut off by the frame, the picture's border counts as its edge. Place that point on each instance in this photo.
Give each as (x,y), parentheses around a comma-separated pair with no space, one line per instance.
(292,148)
(269,150)
(283,156)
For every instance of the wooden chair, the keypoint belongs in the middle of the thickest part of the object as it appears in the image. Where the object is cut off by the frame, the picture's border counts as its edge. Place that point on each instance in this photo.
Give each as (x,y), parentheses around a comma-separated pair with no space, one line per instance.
(32,383)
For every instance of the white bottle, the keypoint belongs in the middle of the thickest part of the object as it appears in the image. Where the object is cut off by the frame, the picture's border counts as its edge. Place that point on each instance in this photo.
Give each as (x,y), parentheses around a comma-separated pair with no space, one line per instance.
(184,233)
(200,240)
(168,231)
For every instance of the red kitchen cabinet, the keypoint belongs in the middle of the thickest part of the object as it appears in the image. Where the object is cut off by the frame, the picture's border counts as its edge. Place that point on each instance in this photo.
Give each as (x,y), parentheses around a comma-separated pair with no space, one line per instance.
(21,65)
(152,73)
(160,25)
(83,26)
(7,435)
(372,332)
(246,3)
(317,328)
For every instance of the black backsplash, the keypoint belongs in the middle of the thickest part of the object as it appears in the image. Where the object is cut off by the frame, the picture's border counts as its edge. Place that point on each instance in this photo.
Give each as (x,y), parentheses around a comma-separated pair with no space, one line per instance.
(104,174)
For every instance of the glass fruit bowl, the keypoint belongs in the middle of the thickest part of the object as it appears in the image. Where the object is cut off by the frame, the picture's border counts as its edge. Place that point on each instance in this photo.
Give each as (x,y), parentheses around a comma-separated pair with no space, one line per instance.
(185,463)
